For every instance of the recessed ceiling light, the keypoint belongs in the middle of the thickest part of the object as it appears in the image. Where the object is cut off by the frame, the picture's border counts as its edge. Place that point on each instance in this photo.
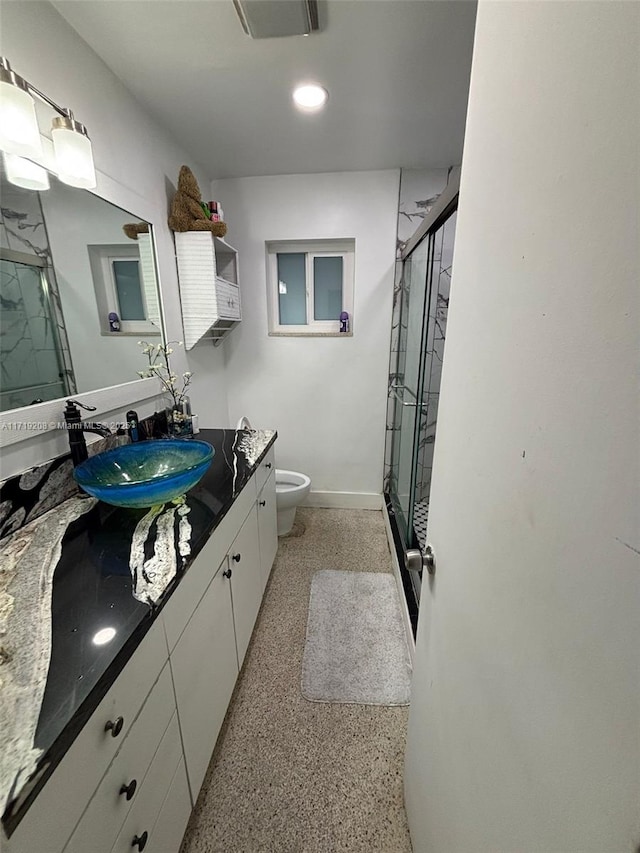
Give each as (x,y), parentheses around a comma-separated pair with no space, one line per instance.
(310,97)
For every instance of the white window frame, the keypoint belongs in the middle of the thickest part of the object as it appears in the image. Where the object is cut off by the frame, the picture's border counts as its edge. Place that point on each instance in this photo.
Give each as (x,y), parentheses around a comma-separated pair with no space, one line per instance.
(344,248)
(102,257)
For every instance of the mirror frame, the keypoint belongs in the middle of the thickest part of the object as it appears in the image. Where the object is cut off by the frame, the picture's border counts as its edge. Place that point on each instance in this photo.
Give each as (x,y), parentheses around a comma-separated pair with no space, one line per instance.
(45,417)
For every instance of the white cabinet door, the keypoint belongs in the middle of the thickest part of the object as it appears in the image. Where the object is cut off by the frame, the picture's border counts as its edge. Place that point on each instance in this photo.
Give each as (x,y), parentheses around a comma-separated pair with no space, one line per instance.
(246,583)
(167,834)
(265,469)
(183,602)
(204,668)
(267,528)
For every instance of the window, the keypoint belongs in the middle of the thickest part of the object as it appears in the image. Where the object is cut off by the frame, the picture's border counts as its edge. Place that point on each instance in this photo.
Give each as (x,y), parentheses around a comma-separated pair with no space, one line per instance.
(309,285)
(128,289)
(118,280)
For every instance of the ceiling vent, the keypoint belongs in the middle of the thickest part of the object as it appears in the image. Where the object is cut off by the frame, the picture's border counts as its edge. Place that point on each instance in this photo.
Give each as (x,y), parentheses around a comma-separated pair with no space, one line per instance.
(263,19)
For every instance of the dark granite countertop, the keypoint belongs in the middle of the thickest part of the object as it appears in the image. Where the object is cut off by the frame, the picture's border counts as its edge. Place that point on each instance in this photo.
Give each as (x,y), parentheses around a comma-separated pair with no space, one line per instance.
(116,570)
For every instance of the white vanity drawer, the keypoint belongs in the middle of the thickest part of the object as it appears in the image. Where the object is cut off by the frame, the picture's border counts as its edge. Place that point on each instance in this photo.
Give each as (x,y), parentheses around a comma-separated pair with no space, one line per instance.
(48,824)
(105,814)
(265,468)
(184,600)
(148,802)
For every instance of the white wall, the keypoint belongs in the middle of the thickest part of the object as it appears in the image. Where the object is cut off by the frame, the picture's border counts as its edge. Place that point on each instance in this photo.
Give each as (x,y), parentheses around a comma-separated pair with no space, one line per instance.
(128,146)
(525,719)
(325,396)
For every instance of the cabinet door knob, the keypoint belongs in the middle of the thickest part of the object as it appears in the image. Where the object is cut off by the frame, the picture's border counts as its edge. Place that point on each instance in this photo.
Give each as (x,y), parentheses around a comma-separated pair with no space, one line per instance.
(129,790)
(267,465)
(262,503)
(236,558)
(114,726)
(227,573)
(140,841)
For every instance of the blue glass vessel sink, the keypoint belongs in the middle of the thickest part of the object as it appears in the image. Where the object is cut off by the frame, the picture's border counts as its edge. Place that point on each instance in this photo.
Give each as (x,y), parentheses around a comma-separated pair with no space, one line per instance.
(146,473)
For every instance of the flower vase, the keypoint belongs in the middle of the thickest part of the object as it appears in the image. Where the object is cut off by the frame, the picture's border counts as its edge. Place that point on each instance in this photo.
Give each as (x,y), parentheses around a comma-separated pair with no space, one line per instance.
(179,422)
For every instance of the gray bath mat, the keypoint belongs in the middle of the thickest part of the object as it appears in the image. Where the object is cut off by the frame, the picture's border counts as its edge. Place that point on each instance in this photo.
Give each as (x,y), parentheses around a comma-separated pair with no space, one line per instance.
(356,649)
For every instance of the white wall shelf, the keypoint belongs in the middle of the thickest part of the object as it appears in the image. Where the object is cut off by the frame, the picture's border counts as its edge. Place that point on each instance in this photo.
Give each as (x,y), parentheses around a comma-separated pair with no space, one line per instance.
(209,291)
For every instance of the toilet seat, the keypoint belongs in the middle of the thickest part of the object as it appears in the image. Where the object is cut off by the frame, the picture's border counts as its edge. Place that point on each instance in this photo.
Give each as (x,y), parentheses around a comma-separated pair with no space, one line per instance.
(288,481)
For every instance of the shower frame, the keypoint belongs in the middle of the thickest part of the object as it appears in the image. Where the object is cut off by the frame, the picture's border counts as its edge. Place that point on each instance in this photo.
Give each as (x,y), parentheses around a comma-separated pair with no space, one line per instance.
(403,399)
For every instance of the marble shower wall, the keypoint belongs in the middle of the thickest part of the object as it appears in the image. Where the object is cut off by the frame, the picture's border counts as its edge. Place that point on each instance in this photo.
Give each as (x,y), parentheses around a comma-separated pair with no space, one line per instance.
(419,190)
(35,360)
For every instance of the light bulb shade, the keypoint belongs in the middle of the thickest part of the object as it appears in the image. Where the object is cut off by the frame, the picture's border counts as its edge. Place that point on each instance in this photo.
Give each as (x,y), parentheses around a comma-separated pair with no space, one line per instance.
(73,153)
(24,173)
(310,98)
(19,132)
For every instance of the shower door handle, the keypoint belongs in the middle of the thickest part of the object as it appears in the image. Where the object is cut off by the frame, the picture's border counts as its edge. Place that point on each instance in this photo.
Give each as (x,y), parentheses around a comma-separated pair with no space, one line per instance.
(394,391)
(416,561)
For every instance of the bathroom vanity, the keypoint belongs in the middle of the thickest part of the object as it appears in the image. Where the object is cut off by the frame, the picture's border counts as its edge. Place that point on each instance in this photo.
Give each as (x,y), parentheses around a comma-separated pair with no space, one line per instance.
(150,623)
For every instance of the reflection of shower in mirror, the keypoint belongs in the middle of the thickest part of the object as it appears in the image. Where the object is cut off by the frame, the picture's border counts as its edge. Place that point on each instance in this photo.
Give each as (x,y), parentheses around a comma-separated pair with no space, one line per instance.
(34,363)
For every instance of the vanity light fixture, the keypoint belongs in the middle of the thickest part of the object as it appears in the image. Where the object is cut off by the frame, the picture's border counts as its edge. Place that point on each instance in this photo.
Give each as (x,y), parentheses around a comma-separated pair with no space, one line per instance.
(310,97)
(73,153)
(19,133)
(25,173)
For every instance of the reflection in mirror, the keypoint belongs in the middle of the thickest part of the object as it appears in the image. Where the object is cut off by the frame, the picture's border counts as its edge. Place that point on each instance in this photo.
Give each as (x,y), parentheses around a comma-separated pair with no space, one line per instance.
(78,289)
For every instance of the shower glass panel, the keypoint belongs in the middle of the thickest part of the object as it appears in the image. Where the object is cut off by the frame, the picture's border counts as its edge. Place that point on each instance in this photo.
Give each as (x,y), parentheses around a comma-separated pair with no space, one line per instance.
(414,390)
(438,308)
(408,379)
(32,370)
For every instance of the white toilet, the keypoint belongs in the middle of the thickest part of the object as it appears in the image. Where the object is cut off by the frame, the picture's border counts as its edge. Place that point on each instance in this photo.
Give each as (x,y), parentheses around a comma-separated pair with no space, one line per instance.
(291,489)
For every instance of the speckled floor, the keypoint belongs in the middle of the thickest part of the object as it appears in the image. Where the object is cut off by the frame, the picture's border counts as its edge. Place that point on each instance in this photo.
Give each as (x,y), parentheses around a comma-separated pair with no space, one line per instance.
(291,776)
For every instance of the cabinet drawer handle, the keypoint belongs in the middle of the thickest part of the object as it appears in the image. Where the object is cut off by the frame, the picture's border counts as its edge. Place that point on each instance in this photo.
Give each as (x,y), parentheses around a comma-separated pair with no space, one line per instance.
(129,790)
(140,841)
(267,465)
(227,573)
(114,726)
(262,503)
(236,558)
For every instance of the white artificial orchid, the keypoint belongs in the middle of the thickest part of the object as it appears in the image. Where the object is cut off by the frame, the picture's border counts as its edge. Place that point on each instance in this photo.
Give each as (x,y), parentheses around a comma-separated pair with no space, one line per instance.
(159,365)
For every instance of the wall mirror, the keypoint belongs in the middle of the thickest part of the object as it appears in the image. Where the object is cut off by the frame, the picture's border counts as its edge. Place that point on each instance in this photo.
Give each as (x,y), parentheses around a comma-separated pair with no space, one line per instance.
(78,290)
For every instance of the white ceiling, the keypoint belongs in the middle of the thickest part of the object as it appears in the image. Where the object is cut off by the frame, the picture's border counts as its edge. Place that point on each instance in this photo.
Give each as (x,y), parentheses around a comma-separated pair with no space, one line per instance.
(397,72)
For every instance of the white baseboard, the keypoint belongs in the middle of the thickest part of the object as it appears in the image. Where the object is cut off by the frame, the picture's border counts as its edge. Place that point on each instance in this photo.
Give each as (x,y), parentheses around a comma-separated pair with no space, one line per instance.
(344,500)
(411,643)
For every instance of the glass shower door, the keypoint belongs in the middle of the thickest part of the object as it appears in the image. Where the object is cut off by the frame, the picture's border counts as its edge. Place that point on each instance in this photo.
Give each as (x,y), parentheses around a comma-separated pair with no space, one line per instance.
(406,385)
(441,261)
(415,392)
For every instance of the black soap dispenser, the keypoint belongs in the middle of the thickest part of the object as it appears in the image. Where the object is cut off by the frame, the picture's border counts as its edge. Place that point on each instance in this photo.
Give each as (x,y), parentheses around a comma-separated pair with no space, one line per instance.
(133,427)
